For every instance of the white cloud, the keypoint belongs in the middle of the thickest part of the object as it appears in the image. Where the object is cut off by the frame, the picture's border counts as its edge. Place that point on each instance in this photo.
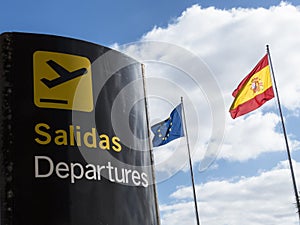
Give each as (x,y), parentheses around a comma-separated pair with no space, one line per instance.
(248,137)
(230,43)
(267,198)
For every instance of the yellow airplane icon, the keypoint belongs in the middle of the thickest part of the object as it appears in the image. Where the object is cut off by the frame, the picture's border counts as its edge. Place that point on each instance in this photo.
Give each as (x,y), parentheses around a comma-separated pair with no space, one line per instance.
(62,81)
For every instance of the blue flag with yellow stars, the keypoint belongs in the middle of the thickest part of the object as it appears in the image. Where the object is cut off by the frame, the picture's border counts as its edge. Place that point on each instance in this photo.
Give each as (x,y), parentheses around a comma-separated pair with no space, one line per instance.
(169,129)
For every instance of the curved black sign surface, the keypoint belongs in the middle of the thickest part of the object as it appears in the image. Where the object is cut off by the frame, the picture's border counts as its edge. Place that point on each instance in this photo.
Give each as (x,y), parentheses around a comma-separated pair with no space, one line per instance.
(72,134)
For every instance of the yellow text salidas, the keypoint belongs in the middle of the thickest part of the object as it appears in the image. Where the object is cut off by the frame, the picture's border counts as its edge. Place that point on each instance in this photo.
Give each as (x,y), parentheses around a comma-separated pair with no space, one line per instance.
(73,136)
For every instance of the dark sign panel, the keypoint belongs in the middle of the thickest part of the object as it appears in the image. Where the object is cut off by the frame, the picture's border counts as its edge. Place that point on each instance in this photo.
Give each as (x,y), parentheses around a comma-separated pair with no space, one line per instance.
(73,135)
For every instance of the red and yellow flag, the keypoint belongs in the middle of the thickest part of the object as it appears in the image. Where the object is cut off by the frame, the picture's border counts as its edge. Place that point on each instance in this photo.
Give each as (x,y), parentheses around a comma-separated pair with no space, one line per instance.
(254,90)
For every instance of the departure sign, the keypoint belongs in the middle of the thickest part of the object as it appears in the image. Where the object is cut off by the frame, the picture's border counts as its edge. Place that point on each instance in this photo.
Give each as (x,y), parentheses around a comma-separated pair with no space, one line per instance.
(63,162)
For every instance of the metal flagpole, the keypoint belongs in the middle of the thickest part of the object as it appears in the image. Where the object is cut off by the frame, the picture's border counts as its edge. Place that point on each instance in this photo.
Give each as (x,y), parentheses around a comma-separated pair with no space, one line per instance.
(285,136)
(190,163)
(150,148)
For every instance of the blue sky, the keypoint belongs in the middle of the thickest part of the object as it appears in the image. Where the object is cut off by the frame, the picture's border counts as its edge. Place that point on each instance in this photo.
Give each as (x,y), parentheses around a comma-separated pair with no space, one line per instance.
(229,42)
(103,22)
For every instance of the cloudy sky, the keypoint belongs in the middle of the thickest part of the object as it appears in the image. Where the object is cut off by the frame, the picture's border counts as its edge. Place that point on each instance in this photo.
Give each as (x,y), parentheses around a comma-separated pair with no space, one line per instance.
(202,51)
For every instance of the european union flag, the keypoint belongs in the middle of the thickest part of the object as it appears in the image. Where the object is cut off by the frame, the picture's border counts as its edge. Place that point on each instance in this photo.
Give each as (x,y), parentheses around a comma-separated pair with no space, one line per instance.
(169,129)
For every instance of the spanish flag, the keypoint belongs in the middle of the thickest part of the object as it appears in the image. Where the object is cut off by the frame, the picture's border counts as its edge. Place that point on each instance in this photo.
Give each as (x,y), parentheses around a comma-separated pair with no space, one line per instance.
(254,90)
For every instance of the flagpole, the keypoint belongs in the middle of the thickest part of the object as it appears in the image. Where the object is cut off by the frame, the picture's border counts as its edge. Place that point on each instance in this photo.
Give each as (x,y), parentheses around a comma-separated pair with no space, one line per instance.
(190,163)
(285,136)
(150,148)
